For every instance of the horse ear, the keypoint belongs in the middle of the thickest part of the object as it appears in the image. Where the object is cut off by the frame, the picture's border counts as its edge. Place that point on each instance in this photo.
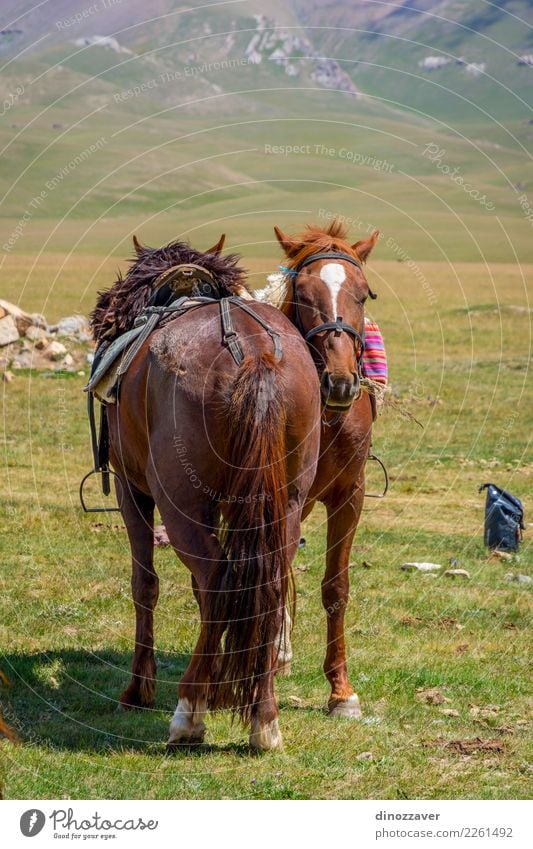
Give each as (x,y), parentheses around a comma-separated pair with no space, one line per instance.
(363,248)
(219,245)
(137,245)
(289,245)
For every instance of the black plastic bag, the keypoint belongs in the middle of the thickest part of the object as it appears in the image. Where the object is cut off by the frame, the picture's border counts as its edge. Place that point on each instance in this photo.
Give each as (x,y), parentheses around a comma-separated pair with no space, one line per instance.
(504,518)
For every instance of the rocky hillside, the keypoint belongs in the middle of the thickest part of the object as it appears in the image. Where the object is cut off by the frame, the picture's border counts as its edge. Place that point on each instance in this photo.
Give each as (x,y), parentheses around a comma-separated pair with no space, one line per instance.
(407,53)
(193,112)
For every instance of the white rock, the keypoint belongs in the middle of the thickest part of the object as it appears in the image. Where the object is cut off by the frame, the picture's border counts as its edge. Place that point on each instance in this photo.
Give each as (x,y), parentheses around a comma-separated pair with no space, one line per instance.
(457,573)
(56,351)
(74,325)
(102,41)
(431,63)
(38,320)
(22,319)
(8,330)
(475,69)
(23,360)
(518,579)
(420,567)
(36,334)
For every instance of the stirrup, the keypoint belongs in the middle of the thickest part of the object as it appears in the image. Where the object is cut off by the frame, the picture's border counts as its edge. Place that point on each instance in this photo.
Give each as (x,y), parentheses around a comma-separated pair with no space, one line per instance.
(106,489)
(385,475)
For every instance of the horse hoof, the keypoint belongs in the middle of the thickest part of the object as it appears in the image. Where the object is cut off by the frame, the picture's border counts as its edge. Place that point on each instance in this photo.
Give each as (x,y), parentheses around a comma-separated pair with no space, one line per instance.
(265,736)
(186,727)
(126,705)
(186,736)
(285,669)
(349,707)
(184,741)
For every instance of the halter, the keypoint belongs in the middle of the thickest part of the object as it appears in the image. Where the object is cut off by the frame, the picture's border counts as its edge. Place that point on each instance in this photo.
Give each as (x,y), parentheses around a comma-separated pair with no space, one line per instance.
(338,326)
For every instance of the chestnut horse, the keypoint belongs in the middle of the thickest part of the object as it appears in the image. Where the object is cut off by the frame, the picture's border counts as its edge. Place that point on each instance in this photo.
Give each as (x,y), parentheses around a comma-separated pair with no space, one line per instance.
(324,298)
(227,452)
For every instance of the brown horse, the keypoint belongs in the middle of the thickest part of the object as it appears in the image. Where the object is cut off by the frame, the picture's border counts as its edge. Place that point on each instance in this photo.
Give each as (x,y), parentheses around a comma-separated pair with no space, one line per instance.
(325,295)
(227,452)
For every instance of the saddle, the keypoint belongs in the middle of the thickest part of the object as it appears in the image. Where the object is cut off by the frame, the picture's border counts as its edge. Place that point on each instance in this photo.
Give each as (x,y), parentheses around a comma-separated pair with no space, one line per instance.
(114,356)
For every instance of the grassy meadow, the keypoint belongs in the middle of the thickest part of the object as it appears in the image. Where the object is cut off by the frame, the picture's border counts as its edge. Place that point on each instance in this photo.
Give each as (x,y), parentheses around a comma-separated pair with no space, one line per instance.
(87,163)
(459,363)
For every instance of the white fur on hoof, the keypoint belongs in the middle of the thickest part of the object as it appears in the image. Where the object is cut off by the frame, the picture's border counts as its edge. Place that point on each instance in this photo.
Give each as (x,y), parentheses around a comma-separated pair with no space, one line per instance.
(349,707)
(187,727)
(265,736)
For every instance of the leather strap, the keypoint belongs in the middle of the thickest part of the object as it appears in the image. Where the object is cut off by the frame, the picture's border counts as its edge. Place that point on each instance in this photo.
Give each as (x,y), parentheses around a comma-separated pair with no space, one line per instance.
(276,338)
(229,335)
(338,326)
(327,255)
(149,326)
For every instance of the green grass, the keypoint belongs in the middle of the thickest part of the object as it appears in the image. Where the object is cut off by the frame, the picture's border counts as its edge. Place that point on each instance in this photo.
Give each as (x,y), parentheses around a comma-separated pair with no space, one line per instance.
(460,365)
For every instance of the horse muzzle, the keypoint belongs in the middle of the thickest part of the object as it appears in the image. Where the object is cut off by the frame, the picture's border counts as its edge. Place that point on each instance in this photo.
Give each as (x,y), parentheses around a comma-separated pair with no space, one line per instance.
(338,393)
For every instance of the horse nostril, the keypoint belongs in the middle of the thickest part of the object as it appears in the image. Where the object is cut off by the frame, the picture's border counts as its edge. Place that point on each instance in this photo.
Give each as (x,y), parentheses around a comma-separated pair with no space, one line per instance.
(355,389)
(325,382)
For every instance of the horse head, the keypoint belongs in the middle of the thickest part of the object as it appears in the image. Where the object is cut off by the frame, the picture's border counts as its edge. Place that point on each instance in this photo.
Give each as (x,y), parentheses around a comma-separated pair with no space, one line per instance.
(325,299)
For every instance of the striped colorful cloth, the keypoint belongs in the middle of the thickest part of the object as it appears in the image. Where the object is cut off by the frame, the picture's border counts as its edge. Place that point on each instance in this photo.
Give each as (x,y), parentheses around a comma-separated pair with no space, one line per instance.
(375,357)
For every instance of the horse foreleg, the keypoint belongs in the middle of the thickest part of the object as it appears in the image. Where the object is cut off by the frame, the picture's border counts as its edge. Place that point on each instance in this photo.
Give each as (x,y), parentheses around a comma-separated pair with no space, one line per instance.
(342,522)
(138,515)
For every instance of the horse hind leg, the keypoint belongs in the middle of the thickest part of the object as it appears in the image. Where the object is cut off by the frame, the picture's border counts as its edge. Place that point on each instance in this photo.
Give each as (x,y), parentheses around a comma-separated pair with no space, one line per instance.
(264,725)
(138,515)
(284,642)
(187,726)
(264,730)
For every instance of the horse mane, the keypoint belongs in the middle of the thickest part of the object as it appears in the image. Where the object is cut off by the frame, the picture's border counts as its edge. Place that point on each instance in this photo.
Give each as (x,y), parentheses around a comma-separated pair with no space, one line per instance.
(117,307)
(316,239)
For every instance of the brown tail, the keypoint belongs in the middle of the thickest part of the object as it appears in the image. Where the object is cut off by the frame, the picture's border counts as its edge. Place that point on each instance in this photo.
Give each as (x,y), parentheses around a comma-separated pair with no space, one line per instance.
(247,598)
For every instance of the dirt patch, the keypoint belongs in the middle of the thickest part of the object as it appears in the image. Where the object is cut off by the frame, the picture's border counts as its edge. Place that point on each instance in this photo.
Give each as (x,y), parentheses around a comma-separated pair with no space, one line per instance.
(471,746)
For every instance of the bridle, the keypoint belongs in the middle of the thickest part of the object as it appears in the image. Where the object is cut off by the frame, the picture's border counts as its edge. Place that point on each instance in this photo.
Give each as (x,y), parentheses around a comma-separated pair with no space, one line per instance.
(339,325)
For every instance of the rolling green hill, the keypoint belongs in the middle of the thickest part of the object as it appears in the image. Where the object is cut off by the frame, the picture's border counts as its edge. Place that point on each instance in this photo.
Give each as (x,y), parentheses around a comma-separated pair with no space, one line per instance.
(194,118)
